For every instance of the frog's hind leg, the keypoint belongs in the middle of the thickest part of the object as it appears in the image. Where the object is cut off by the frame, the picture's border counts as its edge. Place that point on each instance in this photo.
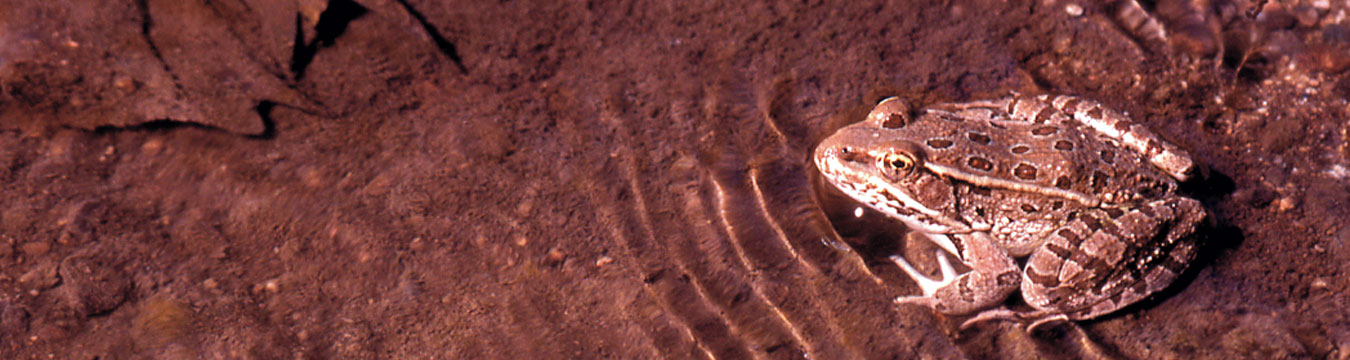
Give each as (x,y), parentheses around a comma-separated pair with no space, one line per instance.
(993,276)
(1105,260)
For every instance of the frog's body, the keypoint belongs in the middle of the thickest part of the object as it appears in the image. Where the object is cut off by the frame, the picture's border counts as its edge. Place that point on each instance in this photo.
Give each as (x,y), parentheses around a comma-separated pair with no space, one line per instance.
(1088,197)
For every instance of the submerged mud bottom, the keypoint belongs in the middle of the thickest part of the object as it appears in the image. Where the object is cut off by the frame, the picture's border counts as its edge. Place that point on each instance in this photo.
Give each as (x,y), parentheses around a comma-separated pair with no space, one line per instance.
(411,179)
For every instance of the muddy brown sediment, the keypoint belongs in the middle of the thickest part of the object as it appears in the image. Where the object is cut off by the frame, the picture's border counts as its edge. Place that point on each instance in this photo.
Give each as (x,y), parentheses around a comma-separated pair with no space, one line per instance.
(412,179)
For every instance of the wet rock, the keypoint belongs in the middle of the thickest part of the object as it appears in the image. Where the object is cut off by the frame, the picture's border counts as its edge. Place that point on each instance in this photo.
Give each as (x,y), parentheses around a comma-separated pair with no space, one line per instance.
(40,277)
(35,249)
(162,321)
(13,319)
(93,283)
(353,340)
(1256,197)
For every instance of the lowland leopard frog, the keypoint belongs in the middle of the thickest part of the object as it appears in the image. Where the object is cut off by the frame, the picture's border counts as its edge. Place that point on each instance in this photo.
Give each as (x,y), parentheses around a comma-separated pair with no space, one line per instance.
(1083,194)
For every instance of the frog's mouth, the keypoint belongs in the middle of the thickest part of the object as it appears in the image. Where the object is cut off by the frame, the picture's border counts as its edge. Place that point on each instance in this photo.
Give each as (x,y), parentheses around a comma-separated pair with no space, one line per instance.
(855,173)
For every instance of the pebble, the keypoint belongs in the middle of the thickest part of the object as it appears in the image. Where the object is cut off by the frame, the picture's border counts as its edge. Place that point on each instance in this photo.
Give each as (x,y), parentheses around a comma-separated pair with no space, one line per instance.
(152,146)
(1320,283)
(556,256)
(40,277)
(123,82)
(1073,10)
(36,248)
(92,283)
(1284,204)
(161,321)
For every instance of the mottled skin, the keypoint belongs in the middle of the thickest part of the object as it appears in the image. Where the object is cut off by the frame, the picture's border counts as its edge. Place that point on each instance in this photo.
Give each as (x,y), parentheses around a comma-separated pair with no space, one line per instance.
(1084,194)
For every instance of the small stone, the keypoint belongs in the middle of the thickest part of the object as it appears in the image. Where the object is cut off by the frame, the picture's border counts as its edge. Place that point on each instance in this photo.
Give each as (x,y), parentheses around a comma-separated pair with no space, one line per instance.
(525,207)
(313,177)
(123,82)
(1284,204)
(6,250)
(1062,43)
(161,321)
(65,239)
(152,146)
(1320,283)
(93,283)
(40,277)
(271,286)
(555,256)
(36,248)
(603,260)
(210,283)
(1073,10)
(13,319)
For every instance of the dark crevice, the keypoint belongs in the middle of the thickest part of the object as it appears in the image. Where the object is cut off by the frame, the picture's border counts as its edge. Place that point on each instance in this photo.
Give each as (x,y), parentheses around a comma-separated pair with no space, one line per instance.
(332,23)
(301,55)
(146,24)
(268,64)
(263,108)
(444,45)
(160,125)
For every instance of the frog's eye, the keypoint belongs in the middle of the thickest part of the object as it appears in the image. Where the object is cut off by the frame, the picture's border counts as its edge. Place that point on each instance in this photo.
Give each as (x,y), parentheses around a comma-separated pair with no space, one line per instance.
(900,163)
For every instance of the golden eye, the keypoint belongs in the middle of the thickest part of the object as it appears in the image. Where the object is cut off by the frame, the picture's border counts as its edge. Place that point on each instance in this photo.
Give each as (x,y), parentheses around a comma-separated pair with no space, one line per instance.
(900,162)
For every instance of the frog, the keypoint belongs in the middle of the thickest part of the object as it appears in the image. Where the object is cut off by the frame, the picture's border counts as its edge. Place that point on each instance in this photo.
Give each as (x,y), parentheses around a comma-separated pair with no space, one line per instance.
(1069,202)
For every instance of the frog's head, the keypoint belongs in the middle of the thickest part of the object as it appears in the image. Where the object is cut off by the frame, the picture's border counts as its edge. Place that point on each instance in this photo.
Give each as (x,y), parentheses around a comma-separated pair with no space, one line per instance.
(876,163)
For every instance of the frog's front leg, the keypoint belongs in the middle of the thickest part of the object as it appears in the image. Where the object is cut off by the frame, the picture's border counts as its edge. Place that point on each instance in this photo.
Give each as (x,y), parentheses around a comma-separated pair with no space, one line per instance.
(993,276)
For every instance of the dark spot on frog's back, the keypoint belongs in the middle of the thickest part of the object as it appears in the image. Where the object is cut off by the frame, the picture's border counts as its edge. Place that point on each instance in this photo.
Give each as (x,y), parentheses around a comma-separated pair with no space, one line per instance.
(1044,114)
(1063,145)
(1044,130)
(979,163)
(1071,105)
(895,121)
(1098,180)
(939,143)
(1096,113)
(1025,171)
(1063,182)
(1020,149)
(1108,156)
(979,138)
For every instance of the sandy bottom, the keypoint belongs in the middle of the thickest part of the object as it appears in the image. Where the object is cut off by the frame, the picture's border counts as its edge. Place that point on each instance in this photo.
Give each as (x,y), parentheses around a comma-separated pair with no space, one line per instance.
(546,179)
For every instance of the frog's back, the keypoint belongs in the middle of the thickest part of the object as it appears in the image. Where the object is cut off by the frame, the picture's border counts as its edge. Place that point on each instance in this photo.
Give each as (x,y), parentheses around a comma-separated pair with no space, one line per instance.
(1047,156)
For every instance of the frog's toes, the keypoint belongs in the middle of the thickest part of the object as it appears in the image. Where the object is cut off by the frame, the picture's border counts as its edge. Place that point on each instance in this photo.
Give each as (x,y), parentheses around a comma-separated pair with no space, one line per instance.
(927,284)
(1044,320)
(1037,318)
(999,314)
